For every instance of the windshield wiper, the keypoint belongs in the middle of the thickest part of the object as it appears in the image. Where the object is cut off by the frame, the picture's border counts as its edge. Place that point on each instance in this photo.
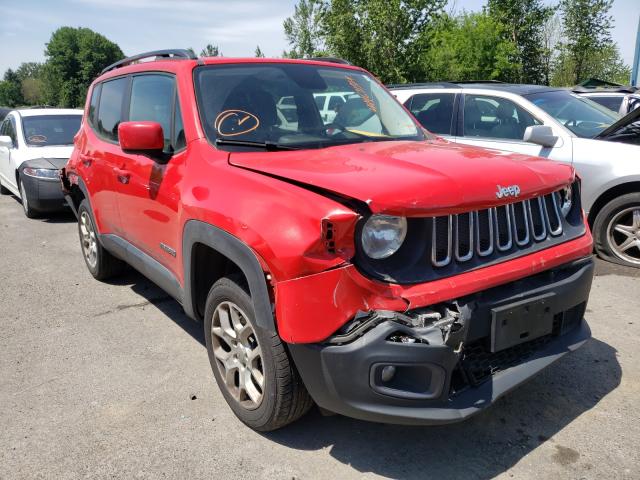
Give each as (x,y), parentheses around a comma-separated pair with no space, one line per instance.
(269,146)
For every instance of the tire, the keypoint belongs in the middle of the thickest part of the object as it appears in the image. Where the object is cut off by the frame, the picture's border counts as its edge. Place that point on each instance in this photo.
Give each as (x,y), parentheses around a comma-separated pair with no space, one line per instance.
(4,190)
(29,211)
(616,230)
(101,264)
(257,353)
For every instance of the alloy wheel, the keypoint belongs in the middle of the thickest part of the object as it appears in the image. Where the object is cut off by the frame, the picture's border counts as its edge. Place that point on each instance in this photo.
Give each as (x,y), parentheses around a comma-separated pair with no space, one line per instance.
(623,235)
(238,354)
(88,239)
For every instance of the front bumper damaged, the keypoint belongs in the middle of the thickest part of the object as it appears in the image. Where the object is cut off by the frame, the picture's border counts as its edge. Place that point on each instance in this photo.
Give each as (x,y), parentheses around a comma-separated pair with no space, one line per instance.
(448,362)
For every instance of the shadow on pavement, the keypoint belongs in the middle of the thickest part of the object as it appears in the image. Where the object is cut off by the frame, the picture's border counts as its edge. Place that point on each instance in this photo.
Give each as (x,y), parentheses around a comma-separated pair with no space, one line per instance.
(481,447)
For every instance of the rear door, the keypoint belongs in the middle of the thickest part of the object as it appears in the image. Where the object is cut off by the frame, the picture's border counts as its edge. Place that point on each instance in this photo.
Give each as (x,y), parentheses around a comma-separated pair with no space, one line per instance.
(148,201)
(100,157)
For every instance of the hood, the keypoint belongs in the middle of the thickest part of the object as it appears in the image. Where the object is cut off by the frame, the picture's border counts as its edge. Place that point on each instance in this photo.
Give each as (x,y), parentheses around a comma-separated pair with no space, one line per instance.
(413,178)
(612,131)
(63,151)
(54,163)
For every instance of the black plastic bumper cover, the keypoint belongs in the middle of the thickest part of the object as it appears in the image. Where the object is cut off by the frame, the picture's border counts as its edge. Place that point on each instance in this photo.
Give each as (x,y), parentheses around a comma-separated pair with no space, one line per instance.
(340,378)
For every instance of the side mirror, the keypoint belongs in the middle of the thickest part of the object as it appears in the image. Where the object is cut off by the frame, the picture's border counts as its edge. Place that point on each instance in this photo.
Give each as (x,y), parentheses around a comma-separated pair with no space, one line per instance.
(5,141)
(141,137)
(540,135)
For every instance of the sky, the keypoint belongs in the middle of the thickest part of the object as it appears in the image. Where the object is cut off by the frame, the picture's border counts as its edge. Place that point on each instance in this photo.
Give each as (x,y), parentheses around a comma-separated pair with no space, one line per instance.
(236,26)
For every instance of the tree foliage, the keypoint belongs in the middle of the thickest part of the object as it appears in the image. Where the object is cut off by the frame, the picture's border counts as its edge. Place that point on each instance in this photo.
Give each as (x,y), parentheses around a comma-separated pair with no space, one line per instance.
(11,90)
(211,51)
(75,56)
(471,46)
(523,23)
(587,26)
(303,30)
(258,53)
(383,36)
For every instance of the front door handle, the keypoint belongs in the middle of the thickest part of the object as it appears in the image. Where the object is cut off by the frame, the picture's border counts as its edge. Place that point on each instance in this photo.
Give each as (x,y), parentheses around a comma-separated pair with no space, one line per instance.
(123,175)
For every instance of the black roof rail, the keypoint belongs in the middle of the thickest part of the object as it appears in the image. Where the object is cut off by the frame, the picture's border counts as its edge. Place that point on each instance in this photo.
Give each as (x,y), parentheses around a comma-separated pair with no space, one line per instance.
(463,82)
(422,84)
(341,61)
(175,53)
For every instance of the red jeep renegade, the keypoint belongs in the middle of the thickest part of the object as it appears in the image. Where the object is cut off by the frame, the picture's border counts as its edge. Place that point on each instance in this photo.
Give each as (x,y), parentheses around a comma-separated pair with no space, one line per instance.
(347,258)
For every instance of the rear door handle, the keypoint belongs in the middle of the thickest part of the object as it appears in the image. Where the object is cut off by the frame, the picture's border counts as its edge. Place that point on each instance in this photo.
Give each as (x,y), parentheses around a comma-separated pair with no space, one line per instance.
(123,175)
(86,161)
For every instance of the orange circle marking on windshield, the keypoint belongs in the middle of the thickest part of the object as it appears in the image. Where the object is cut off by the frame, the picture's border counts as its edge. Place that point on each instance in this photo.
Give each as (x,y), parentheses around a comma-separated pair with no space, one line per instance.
(245,121)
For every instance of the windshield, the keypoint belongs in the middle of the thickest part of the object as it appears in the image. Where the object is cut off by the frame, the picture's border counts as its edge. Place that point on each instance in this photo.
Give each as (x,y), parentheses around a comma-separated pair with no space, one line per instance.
(297,106)
(47,130)
(580,115)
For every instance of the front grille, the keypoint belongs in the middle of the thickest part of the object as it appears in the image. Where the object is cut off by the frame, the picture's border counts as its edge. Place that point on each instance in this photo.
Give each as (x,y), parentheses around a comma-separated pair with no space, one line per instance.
(448,245)
(463,237)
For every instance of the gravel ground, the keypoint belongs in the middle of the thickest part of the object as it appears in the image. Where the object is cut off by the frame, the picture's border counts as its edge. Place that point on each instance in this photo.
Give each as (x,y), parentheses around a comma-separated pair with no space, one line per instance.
(112,381)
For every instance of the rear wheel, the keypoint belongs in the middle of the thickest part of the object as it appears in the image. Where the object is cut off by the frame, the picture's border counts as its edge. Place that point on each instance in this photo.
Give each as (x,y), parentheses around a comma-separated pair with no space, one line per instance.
(617,230)
(250,365)
(29,211)
(99,261)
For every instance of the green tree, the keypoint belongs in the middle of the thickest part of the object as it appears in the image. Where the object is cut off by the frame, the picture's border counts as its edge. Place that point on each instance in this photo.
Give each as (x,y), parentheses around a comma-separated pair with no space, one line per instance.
(386,37)
(605,64)
(470,46)
(258,52)
(587,26)
(303,30)
(11,90)
(523,23)
(211,51)
(75,56)
(31,82)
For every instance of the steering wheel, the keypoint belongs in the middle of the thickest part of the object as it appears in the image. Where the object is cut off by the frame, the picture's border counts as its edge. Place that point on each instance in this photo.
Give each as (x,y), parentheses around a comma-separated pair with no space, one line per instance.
(571,122)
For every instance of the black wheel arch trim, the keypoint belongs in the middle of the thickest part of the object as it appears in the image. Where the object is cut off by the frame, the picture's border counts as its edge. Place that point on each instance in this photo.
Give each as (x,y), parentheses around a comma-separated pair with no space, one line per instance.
(198,232)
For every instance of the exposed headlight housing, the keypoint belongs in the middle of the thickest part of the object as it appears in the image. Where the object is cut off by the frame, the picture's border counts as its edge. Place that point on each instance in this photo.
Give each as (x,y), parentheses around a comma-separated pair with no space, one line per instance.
(383,235)
(44,173)
(566,200)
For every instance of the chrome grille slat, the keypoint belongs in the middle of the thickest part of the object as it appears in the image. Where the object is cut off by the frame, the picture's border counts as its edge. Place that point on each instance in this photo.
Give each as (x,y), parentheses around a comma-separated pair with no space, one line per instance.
(435,244)
(503,247)
(490,219)
(497,230)
(469,255)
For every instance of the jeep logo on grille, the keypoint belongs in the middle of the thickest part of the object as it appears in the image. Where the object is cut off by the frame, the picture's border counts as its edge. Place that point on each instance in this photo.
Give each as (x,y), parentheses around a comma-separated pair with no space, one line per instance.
(510,191)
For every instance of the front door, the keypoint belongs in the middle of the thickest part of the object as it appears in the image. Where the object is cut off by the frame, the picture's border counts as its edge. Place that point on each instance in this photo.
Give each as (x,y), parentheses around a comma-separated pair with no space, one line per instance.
(7,171)
(499,123)
(148,201)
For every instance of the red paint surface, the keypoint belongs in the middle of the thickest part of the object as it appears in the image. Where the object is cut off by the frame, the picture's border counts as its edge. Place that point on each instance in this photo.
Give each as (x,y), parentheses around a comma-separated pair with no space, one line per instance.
(316,291)
(141,136)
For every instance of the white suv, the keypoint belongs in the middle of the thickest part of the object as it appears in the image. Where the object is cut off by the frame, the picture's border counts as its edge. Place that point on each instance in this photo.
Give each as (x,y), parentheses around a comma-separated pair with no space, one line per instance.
(552,123)
(34,145)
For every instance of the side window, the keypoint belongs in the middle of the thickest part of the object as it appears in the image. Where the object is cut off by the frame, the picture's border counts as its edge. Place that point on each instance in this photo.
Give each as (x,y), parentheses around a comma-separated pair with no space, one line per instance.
(3,127)
(152,100)
(494,117)
(179,139)
(434,111)
(11,131)
(93,104)
(610,102)
(110,108)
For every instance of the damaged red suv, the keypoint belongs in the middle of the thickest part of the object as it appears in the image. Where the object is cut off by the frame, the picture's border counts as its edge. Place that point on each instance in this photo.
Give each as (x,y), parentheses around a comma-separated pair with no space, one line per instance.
(354,261)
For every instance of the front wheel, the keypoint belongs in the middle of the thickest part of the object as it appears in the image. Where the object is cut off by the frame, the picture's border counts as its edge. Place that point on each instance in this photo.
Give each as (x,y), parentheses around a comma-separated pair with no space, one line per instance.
(617,230)
(250,365)
(29,211)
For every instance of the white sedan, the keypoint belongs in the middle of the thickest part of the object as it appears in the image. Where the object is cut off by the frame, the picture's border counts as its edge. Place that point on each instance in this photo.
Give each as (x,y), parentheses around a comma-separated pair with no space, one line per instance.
(34,145)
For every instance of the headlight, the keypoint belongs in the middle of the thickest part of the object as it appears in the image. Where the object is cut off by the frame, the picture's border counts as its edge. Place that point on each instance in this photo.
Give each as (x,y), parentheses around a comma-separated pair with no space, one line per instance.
(566,200)
(46,173)
(382,235)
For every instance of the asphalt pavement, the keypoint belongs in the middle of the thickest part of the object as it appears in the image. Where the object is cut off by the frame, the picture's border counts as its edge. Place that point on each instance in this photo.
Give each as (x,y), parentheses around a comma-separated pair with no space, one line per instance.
(111,380)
